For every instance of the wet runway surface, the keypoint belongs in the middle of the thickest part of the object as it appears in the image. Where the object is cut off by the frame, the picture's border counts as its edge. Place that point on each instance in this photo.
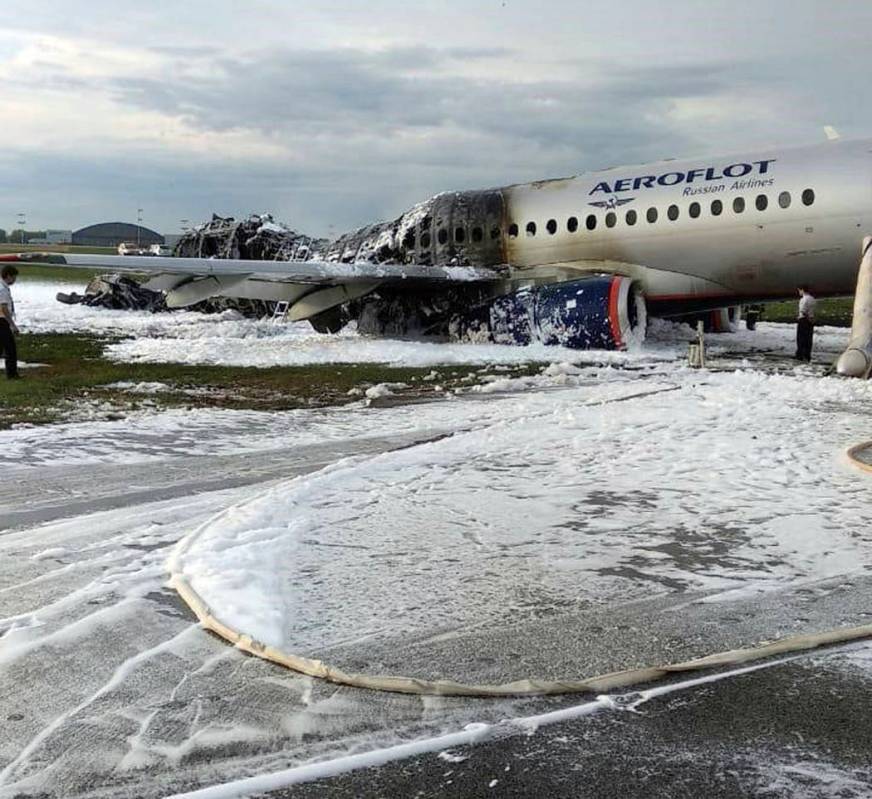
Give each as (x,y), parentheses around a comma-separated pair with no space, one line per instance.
(798,729)
(109,688)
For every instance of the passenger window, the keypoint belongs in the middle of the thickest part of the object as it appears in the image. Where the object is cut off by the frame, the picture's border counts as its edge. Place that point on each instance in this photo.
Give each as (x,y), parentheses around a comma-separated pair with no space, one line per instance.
(693,210)
(552,226)
(784,199)
(631,217)
(443,236)
(572,224)
(672,212)
(651,215)
(717,207)
(477,234)
(513,231)
(590,222)
(459,235)
(409,239)
(611,218)
(739,205)
(495,233)
(762,202)
(808,197)
(531,228)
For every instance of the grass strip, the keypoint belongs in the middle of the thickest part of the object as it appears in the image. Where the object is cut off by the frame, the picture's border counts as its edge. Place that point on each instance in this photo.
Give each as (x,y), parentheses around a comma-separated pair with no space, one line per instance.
(75,371)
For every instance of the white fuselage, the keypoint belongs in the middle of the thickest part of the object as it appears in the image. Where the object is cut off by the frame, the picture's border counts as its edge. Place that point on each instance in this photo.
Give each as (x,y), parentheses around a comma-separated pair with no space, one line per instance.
(735,255)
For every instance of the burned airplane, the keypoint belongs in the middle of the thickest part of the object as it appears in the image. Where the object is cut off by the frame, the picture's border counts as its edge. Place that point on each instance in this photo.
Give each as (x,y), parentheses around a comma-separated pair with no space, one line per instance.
(578,262)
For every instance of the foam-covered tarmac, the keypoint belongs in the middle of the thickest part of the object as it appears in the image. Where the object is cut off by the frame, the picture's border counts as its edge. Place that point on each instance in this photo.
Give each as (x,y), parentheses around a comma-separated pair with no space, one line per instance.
(605,517)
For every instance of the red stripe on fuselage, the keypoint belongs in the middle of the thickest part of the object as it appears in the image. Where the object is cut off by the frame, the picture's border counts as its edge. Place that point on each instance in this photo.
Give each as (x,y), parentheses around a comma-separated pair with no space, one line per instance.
(614,314)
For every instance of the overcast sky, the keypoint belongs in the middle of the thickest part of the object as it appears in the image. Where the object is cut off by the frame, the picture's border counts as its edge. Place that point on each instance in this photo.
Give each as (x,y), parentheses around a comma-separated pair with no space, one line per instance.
(331,115)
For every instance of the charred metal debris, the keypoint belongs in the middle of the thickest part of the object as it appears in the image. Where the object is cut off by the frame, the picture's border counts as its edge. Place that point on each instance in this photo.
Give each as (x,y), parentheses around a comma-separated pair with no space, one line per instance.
(119,292)
(257,238)
(452,229)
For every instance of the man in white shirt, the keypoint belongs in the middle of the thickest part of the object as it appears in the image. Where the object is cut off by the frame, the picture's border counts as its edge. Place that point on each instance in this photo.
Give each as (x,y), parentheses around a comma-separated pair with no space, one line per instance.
(805,324)
(8,328)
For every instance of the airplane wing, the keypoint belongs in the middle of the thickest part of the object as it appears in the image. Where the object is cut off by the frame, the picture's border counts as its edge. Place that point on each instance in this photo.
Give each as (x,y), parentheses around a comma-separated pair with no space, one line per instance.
(309,286)
(289,271)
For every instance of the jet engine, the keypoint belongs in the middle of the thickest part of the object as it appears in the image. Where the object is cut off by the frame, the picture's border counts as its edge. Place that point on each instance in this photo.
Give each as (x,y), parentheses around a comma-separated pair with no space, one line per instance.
(597,312)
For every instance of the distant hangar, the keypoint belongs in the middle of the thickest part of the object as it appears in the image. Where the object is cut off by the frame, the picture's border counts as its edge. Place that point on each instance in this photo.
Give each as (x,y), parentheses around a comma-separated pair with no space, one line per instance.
(111,234)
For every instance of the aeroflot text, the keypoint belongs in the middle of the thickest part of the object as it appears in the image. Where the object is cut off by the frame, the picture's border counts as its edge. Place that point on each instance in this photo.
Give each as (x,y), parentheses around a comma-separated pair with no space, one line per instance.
(692,175)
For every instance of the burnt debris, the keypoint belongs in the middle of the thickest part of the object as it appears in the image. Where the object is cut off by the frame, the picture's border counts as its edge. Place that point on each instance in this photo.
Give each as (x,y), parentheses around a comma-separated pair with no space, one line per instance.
(118,292)
(257,238)
(452,229)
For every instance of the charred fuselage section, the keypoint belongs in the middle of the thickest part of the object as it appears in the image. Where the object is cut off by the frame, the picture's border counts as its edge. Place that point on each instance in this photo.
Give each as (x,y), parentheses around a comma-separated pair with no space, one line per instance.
(453,229)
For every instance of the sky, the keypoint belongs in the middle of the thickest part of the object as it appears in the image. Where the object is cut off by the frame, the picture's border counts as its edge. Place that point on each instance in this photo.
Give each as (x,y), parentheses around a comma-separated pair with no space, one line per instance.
(331,115)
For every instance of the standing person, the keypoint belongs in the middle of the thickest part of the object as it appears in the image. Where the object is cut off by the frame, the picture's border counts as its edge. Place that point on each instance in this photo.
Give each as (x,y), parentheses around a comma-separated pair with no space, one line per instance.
(8,328)
(805,324)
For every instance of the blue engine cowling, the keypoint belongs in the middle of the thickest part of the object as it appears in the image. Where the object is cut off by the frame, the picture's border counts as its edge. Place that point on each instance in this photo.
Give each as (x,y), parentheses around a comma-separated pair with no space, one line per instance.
(597,312)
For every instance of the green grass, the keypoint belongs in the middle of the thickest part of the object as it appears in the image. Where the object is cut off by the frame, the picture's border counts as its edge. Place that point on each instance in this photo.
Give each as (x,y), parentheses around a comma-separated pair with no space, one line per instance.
(35,271)
(76,372)
(28,272)
(837,312)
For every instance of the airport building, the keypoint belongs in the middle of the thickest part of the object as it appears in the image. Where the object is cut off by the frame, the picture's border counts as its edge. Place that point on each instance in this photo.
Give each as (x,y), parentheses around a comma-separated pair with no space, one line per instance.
(111,234)
(53,237)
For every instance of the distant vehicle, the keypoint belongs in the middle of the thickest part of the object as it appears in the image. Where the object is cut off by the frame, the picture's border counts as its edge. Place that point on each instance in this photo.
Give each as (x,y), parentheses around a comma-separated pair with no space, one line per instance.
(160,249)
(131,248)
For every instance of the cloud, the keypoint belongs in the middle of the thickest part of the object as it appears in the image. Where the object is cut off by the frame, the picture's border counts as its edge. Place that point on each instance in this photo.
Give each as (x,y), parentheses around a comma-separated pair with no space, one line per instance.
(339,114)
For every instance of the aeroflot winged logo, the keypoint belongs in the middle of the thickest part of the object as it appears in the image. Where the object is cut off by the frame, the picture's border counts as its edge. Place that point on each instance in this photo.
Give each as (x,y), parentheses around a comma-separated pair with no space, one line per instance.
(612,202)
(707,179)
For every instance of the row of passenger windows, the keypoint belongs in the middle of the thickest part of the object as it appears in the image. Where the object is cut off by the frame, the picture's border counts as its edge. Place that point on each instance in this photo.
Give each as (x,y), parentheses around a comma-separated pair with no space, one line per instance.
(476,236)
(694,210)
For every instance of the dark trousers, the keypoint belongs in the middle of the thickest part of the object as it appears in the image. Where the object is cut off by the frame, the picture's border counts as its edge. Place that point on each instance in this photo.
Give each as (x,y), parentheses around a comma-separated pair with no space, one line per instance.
(8,348)
(804,338)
